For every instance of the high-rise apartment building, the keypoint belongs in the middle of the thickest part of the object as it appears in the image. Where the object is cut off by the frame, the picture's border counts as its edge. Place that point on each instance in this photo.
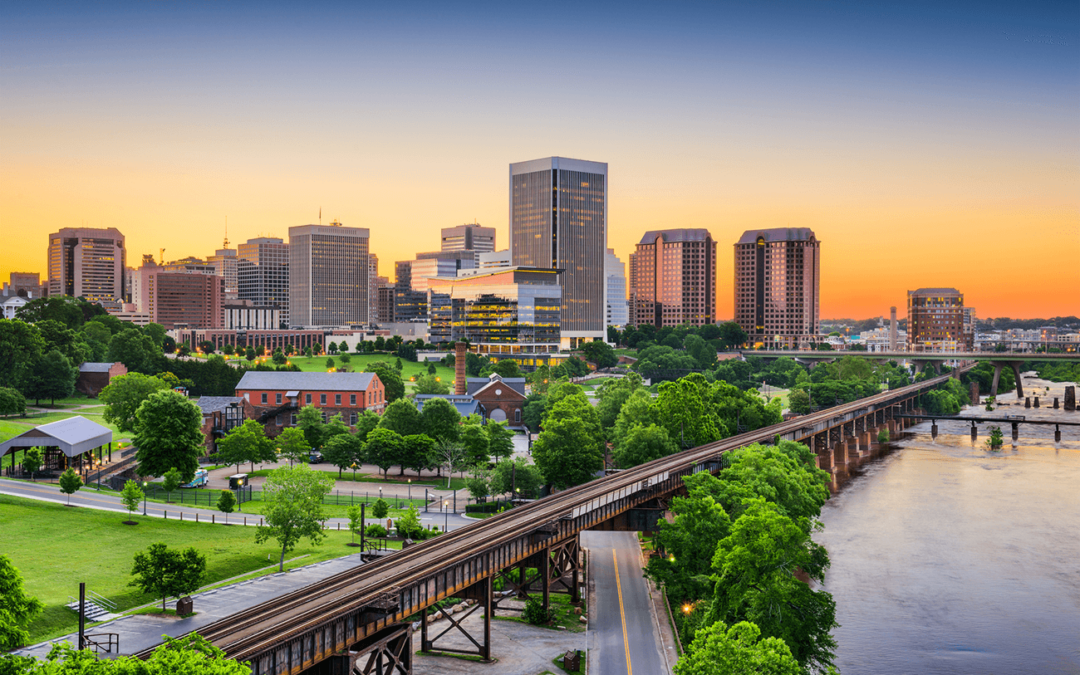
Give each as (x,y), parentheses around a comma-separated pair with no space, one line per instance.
(262,274)
(618,313)
(673,278)
(936,320)
(88,263)
(181,299)
(777,286)
(329,274)
(558,220)
(468,237)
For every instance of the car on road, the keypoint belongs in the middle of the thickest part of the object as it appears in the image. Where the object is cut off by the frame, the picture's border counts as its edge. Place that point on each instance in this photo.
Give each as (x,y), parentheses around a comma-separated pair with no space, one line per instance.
(199,481)
(315,457)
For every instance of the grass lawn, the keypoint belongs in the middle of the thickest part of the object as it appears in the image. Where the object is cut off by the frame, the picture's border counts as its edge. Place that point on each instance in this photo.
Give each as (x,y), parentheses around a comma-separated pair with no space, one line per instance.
(55,547)
(564,614)
(403,483)
(62,403)
(357,362)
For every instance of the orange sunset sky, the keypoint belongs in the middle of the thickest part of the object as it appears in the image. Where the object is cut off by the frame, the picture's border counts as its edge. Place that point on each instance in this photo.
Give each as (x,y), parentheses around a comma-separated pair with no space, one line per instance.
(919,155)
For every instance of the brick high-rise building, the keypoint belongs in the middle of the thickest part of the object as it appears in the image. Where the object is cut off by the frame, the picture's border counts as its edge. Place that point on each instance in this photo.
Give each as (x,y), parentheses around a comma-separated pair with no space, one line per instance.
(329,273)
(25,285)
(262,274)
(385,290)
(558,220)
(181,299)
(673,278)
(936,321)
(777,286)
(88,263)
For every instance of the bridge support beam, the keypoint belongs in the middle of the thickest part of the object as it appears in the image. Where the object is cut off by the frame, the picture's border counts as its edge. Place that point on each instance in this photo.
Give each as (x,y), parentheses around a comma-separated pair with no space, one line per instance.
(1019,381)
(1070,398)
(481,592)
(840,457)
(975,392)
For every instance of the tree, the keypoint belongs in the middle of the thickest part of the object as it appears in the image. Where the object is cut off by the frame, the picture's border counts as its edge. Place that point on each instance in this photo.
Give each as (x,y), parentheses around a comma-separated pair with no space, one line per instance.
(335,427)
(368,420)
(356,521)
(168,573)
(568,451)
(249,353)
(507,368)
(500,440)
(131,495)
(345,358)
(20,346)
(532,412)
(182,656)
(478,484)
(417,452)
(644,444)
(406,351)
(246,443)
(52,376)
(310,421)
(684,408)
(135,350)
(70,482)
(292,444)
(170,481)
(226,503)
(719,650)
(17,609)
(440,419)
(600,353)
(402,417)
(383,448)
(343,450)
(292,507)
(409,522)
(11,402)
(476,444)
(63,339)
(702,353)
(32,461)
(431,370)
(430,384)
(332,348)
(613,394)
(391,379)
(168,434)
(278,357)
(451,456)
(732,335)
(329,363)
(516,476)
(380,508)
(123,396)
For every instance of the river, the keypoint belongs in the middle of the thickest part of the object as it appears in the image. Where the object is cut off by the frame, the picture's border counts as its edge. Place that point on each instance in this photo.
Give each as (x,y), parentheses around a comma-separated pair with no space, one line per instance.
(948,558)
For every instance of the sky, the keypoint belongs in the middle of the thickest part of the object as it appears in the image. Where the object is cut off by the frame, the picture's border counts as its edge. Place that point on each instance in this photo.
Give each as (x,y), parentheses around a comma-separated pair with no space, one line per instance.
(926,143)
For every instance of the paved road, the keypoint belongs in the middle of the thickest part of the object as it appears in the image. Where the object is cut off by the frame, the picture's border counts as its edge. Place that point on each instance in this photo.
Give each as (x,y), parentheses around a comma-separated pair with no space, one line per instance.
(89,498)
(624,631)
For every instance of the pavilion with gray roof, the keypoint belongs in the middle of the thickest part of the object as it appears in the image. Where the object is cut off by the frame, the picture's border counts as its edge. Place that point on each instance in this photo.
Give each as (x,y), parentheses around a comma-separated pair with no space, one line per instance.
(65,443)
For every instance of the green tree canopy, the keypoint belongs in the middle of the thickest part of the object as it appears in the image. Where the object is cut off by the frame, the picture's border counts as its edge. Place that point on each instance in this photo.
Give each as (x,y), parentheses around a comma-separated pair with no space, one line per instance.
(684,408)
(168,572)
(440,419)
(310,421)
(644,444)
(390,377)
(20,346)
(135,349)
(383,448)
(476,443)
(417,453)
(12,401)
(570,449)
(719,650)
(293,507)
(533,410)
(17,609)
(246,443)
(500,440)
(123,396)
(613,394)
(70,482)
(402,417)
(430,384)
(168,434)
(51,376)
(516,476)
(343,450)
(600,353)
(292,444)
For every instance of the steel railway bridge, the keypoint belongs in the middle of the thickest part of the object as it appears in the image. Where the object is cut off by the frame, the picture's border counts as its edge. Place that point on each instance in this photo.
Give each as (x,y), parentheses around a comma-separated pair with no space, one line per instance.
(359,621)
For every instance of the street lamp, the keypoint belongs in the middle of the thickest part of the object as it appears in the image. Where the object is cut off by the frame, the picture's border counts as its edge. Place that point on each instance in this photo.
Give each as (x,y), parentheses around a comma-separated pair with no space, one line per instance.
(446,516)
(410,492)
(354,476)
(144,498)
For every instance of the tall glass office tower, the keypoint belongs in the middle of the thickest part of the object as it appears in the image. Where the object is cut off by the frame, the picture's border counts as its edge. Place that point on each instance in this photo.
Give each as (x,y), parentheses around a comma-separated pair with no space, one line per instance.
(558,220)
(329,273)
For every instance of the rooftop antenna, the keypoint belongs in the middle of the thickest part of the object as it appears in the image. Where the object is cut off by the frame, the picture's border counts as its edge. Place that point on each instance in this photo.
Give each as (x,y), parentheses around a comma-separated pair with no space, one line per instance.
(226,232)
(320,215)
(161,256)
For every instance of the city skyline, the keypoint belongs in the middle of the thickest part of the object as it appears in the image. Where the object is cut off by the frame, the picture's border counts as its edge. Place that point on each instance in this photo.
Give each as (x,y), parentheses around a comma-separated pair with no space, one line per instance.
(930,146)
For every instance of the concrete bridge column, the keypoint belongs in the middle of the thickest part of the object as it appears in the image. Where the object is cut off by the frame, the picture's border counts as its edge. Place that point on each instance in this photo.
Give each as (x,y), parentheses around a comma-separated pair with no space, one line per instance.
(975,392)
(1019,382)
(840,456)
(854,457)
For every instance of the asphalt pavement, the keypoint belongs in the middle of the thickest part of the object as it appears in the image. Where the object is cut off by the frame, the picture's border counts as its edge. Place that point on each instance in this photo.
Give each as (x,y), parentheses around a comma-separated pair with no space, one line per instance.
(624,631)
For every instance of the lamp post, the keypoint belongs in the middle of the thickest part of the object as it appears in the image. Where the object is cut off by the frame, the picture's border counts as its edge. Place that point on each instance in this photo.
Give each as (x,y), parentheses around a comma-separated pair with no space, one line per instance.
(354,475)
(410,492)
(446,516)
(144,498)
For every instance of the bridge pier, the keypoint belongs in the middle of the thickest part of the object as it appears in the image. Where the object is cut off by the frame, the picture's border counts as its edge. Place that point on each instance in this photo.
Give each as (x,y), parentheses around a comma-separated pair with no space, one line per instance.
(481,592)
(974,432)
(1036,402)
(1055,403)
(1015,431)
(975,392)
(1070,398)
(854,457)
(839,457)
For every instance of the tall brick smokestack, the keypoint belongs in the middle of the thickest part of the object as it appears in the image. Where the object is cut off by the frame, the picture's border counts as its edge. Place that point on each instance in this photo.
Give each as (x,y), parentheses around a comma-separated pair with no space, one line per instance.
(459,368)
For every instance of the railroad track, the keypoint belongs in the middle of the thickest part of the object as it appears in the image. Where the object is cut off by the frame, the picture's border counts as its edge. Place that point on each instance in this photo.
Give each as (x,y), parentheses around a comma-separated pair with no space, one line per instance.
(258,629)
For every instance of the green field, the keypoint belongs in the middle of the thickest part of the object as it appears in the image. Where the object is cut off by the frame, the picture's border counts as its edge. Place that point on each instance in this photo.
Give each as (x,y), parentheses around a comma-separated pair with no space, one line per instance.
(62,403)
(55,547)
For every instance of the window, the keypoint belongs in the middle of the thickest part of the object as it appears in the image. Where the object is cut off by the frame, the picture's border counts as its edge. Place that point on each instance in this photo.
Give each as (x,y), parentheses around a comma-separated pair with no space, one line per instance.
(307,399)
(352,399)
(324,417)
(277,398)
(277,420)
(337,399)
(322,399)
(292,419)
(517,416)
(264,397)
(353,419)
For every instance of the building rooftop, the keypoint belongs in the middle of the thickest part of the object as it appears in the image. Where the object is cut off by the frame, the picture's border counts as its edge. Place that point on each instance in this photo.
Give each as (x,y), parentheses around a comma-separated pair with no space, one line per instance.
(213,404)
(89,367)
(475,384)
(673,236)
(73,436)
(271,381)
(778,234)
(466,405)
(934,291)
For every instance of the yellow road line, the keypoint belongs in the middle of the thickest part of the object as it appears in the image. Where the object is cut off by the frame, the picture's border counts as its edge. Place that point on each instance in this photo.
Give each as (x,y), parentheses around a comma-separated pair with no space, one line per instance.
(622,614)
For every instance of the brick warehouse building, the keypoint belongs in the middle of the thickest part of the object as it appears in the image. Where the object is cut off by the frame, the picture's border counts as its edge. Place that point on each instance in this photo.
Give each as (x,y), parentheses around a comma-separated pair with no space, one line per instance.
(276,397)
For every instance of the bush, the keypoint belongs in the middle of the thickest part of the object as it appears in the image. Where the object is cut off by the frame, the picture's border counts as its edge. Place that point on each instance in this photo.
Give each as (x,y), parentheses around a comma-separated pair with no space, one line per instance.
(380,508)
(486,507)
(535,613)
(376,530)
(883,436)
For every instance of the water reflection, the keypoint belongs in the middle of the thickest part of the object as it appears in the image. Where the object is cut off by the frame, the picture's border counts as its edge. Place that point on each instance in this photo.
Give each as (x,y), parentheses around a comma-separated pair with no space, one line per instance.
(948,558)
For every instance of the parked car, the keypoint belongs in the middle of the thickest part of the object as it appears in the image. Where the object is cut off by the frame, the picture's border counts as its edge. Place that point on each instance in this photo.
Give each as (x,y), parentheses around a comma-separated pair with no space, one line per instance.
(315,457)
(199,480)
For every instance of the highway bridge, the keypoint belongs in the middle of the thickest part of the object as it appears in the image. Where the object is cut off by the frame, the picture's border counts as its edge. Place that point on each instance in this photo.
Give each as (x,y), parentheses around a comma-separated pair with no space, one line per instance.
(359,621)
(920,360)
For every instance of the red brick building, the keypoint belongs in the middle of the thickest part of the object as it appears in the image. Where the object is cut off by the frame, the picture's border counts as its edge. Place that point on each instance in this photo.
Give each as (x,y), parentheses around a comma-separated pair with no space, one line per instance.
(503,399)
(181,299)
(221,414)
(93,377)
(276,397)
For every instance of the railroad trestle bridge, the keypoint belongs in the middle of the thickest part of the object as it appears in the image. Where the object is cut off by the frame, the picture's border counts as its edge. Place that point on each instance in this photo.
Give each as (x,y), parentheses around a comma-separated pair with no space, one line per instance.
(360,621)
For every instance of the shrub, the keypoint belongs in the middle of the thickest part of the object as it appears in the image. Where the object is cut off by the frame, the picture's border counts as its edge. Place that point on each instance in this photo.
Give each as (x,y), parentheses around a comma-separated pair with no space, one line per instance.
(883,436)
(535,613)
(376,530)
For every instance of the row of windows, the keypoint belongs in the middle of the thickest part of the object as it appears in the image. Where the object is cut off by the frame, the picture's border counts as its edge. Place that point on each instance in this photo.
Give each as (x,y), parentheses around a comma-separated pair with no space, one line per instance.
(322,398)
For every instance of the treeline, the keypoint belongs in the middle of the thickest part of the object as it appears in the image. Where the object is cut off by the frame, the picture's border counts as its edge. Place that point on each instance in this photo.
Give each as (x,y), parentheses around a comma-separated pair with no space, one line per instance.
(1005,323)
(1055,371)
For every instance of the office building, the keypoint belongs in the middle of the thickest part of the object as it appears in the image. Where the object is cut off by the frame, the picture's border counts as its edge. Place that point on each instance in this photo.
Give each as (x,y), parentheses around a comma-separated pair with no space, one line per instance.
(329,274)
(181,299)
(412,280)
(508,313)
(262,274)
(224,261)
(24,285)
(936,321)
(373,289)
(777,286)
(190,265)
(385,290)
(558,220)
(468,237)
(88,263)
(618,308)
(673,278)
(244,315)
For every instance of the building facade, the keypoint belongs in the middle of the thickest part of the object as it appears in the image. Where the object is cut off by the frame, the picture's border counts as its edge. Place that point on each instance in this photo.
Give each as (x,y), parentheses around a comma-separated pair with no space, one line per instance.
(277,397)
(385,291)
(936,321)
(777,286)
(25,285)
(262,274)
(618,307)
(244,315)
(468,237)
(558,220)
(674,278)
(329,273)
(88,263)
(224,261)
(181,300)
(511,313)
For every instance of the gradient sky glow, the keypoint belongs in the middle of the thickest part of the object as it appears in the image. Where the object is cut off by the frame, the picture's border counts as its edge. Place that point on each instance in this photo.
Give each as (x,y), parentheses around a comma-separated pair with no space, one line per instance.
(926,143)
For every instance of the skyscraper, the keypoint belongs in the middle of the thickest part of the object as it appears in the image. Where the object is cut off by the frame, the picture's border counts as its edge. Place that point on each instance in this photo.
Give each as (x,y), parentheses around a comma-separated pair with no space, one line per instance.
(262,274)
(181,299)
(329,272)
(412,275)
(937,321)
(225,262)
(373,289)
(558,220)
(618,314)
(468,237)
(674,278)
(88,263)
(777,286)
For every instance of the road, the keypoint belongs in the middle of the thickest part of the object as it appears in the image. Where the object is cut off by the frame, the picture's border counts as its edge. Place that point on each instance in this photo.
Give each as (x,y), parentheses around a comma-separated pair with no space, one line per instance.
(92,499)
(625,638)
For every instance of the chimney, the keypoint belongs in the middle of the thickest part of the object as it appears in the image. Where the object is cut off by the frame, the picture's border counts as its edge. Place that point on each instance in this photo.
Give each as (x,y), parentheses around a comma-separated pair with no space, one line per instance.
(459,368)
(892,329)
